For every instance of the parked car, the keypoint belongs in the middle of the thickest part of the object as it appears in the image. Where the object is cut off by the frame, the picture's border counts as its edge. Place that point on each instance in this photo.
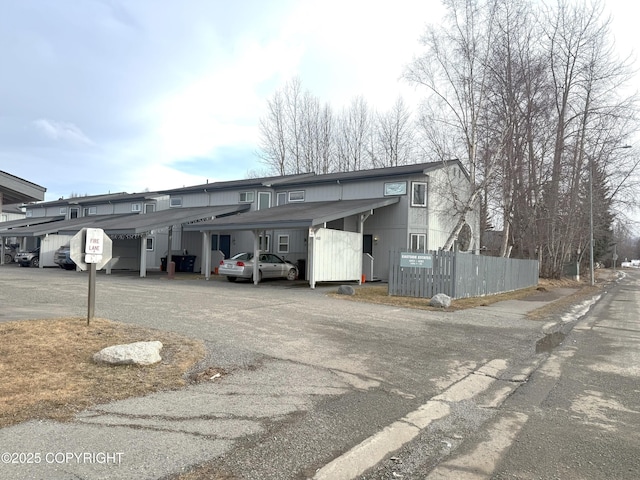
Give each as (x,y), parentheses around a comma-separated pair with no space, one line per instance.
(269,266)
(62,258)
(29,259)
(10,252)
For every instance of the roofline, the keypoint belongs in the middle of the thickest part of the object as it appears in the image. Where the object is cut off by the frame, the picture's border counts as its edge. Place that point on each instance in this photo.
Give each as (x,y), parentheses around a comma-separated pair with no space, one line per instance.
(312,178)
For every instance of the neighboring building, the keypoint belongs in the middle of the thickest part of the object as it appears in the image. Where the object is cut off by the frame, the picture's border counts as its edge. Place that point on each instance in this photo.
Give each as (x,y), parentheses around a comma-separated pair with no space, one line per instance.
(67,216)
(13,191)
(11,212)
(337,226)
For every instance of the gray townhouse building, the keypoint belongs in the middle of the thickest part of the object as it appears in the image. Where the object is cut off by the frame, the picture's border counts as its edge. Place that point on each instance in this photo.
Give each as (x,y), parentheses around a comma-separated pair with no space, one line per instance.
(336,227)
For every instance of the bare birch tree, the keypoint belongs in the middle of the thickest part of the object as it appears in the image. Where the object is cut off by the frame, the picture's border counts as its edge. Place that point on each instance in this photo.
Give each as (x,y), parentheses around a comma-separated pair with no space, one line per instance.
(453,68)
(353,136)
(393,144)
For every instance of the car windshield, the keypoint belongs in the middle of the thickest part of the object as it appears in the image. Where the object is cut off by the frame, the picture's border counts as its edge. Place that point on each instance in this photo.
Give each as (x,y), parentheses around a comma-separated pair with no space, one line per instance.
(242,256)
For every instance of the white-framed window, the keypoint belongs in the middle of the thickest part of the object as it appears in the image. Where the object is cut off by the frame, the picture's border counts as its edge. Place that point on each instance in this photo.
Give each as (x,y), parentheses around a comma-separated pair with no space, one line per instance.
(418,242)
(175,202)
(283,243)
(149,207)
(151,244)
(136,207)
(63,210)
(418,194)
(246,197)
(264,200)
(296,196)
(264,243)
(90,211)
(395,188)
(281,198)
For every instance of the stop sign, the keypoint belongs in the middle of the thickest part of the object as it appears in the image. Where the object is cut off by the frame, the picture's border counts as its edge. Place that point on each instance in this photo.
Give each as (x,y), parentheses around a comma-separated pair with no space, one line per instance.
(79,254)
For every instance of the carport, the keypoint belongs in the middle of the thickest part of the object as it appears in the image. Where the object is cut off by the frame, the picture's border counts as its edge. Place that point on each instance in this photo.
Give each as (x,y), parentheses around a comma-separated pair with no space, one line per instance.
(324,245)
(140,226)
(16,190)
(50,231)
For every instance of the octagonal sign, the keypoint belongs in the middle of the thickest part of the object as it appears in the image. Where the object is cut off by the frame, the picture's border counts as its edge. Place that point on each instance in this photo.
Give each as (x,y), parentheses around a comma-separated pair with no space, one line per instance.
(91,245)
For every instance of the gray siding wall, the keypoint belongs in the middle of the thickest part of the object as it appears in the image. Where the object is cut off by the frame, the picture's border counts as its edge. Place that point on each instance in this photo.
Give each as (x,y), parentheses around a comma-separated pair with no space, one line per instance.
(389,226)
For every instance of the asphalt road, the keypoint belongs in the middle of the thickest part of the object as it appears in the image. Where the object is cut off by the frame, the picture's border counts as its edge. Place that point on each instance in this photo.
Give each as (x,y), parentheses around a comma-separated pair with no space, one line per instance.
(318,386)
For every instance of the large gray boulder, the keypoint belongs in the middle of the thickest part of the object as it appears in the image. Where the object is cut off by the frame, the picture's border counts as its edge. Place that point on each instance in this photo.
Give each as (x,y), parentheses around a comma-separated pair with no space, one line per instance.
(346,290)
(138,353)
(440,300)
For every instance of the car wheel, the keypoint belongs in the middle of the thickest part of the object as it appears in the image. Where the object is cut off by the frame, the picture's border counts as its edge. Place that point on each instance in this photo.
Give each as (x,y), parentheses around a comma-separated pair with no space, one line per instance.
(35,262)
(7,258)
(292,274)
(69,267)
(231,279)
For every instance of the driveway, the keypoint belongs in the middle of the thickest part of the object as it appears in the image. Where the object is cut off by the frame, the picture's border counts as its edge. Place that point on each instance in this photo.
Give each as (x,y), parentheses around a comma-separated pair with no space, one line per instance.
(310,376)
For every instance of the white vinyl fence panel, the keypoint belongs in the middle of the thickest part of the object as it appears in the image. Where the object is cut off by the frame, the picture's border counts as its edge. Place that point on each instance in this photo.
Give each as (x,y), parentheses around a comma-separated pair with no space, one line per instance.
(337,255)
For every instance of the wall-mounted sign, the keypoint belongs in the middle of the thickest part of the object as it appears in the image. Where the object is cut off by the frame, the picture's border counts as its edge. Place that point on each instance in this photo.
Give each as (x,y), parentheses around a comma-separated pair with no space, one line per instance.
(416,260)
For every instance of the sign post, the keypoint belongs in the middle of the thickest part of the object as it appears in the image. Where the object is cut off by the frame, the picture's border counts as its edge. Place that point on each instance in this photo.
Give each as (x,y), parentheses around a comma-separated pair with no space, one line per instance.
(91,249)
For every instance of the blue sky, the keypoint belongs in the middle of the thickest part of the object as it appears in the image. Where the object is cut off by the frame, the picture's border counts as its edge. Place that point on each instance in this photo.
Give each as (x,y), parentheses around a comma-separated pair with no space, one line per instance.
(114,95)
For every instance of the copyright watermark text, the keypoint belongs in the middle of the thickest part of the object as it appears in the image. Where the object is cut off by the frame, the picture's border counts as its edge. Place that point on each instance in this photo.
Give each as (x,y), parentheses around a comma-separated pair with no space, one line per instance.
(61,458)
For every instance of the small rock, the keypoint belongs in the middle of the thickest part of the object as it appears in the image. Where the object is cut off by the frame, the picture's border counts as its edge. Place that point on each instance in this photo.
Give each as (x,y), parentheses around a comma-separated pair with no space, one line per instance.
(440,300)
(346,290)
(138,353)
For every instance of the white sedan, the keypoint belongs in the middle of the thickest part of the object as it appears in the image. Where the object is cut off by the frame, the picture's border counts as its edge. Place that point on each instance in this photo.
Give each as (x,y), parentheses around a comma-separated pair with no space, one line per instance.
(269,266)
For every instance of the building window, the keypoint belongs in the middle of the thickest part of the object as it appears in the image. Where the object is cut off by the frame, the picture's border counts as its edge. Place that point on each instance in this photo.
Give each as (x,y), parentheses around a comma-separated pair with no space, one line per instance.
(264,200)
(90,211)
(281,199)
(283,243)
(296,196)
(63,210)
(418,194)
(175,202)
(264,243)
(395,188)
(418,242)
(136,207)
(29,213)
(246,197)
(149,207)
(150,244)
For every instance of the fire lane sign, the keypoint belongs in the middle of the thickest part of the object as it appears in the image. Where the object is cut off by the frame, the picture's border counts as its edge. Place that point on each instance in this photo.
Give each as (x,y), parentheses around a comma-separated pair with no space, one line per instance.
(94,245)
(91,246)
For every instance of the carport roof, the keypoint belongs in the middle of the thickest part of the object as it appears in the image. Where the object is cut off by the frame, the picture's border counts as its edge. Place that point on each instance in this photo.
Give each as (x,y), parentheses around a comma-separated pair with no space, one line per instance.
(294,215)
(16,190)
(139,224)
(11,225)
(71,226)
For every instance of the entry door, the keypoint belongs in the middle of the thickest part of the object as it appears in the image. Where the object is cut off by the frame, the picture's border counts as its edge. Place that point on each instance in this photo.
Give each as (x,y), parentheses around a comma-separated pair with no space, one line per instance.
(367,244)
(225,245)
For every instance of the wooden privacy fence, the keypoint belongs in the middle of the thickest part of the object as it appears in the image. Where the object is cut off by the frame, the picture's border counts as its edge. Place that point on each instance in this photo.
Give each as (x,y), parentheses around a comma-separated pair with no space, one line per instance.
(457,274)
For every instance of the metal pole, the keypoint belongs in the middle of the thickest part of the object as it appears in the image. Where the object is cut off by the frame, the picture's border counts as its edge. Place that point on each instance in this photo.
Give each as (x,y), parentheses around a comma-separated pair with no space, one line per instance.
(591,220)
(92,293)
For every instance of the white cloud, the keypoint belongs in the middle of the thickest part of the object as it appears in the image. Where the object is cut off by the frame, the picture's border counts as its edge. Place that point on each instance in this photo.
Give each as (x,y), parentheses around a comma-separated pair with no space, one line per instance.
(63,131)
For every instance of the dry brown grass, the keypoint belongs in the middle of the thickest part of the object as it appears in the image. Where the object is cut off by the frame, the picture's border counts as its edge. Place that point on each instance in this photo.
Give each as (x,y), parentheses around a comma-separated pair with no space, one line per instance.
(47,371)
(379,294)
